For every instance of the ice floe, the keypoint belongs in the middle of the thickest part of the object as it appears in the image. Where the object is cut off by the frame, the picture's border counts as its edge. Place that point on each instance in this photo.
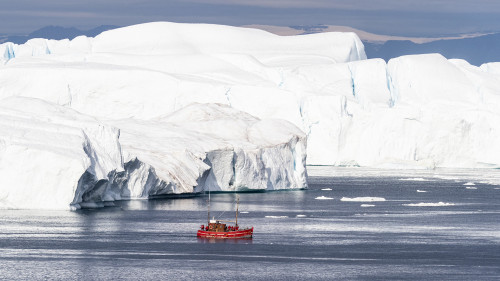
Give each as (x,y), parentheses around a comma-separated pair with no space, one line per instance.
(323,198)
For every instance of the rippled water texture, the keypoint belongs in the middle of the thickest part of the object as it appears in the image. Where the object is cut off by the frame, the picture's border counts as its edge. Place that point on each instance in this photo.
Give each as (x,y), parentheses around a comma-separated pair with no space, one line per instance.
(398,225)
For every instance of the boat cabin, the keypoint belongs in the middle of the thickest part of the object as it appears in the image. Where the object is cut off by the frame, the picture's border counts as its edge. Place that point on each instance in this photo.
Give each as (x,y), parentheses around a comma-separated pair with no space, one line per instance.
(218,226)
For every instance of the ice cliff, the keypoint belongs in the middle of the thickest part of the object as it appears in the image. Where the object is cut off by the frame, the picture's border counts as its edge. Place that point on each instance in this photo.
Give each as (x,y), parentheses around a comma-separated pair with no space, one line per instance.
(158,83)
(52,157)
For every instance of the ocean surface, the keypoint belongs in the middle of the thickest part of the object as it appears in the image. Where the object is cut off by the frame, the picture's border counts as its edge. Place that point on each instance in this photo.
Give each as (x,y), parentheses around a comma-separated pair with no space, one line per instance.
(351,224)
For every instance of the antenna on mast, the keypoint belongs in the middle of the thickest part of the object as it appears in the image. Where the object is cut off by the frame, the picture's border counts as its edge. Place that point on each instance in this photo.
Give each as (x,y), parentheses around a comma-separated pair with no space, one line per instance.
(237,205)
(208,217)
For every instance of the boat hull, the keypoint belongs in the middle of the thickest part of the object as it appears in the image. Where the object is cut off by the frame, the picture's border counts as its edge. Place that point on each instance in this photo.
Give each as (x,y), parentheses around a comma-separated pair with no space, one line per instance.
(245,233)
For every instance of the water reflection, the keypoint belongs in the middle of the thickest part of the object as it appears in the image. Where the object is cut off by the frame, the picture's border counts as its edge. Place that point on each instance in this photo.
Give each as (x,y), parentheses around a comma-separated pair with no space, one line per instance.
(202,240)
(165,204)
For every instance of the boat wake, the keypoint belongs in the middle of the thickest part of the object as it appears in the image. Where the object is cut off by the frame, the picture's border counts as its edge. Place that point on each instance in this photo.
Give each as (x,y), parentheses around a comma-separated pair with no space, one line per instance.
(276,217)
(363,199)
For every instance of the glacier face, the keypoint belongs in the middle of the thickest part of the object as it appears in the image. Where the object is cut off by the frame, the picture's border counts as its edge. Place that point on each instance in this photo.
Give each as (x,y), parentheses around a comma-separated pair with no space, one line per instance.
(52,157)
(414,111)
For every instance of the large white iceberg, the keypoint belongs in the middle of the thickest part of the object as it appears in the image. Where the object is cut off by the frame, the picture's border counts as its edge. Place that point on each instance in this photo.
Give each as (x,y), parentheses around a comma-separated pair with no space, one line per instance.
(209,147)
(54,157)
(414,111)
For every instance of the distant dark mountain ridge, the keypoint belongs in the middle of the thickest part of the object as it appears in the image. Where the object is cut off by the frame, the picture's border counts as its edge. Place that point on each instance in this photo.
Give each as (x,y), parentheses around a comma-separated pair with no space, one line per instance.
(476,51)
(57,33)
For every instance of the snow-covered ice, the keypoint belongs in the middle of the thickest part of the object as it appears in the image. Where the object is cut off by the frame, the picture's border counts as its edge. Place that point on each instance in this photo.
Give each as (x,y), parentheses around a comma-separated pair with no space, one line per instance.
(74,160)
(52,157)
(137,85)
(355,112)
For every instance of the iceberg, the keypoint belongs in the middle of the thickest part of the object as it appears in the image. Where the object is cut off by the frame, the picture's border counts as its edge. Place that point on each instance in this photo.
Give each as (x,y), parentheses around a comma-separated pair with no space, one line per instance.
(210,147)
(191,107)
(53,157)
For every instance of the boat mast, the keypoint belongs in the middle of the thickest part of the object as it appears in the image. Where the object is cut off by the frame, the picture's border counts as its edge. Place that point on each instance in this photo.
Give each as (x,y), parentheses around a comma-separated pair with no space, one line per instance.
(208,214)
(237,204)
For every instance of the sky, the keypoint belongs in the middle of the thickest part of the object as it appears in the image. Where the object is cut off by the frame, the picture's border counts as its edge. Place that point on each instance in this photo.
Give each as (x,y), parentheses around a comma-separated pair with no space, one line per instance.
(390,17)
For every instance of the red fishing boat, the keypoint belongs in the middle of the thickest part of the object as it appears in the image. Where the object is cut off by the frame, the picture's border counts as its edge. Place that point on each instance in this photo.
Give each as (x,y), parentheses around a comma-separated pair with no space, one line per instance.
(218,229)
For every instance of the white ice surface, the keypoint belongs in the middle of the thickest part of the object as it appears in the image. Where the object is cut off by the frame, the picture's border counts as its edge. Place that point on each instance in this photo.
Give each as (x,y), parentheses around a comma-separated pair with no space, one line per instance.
(52,157)
(323,198)
(420,111)
(211,147)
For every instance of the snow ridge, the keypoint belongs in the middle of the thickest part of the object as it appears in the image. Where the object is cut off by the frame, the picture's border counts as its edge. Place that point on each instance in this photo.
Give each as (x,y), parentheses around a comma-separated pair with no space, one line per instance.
(420,111)
(76,161)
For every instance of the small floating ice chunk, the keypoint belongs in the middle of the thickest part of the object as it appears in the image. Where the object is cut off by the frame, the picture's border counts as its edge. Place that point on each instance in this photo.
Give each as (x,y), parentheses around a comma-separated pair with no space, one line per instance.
(362,199)
(326,189)
(301,216)
(439,204)
(471,187)
(413,179)
(277,217)
(323,198)
(469,183)
(367,205)
(418,190)
(243,212)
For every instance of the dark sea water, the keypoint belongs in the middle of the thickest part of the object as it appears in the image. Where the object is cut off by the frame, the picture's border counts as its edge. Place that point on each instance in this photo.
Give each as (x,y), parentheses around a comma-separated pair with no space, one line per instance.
(429,227)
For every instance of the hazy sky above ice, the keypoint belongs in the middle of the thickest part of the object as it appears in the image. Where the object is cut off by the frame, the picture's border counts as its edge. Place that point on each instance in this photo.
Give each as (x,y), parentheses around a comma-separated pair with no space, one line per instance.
(391,17)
